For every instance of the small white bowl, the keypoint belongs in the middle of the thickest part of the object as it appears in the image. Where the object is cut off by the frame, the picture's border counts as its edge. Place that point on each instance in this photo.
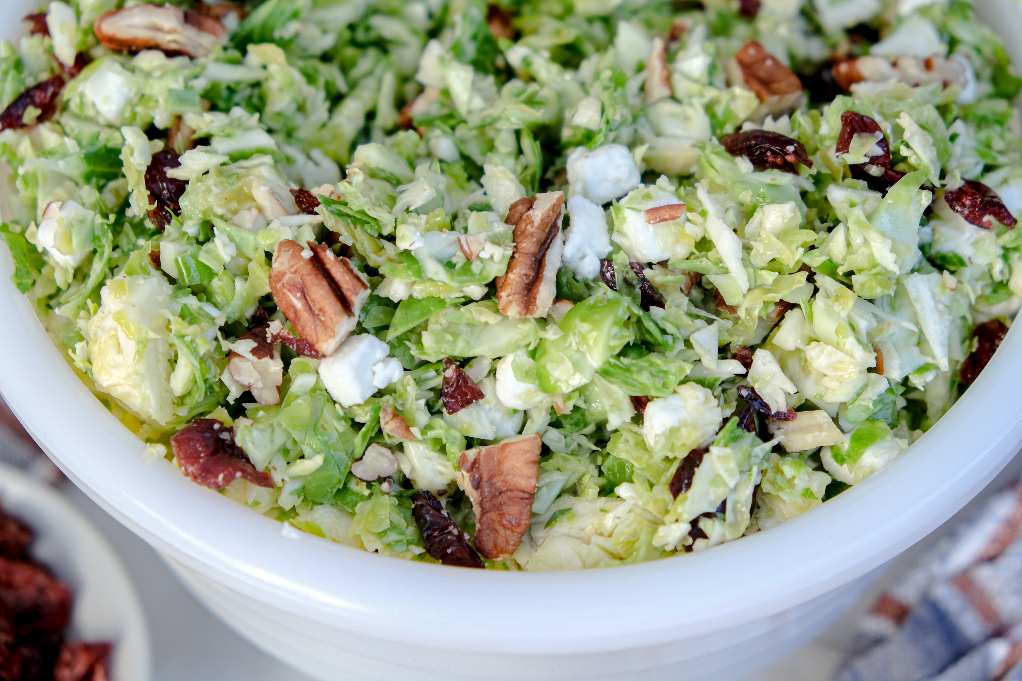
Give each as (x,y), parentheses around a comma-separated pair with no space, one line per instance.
(105,606)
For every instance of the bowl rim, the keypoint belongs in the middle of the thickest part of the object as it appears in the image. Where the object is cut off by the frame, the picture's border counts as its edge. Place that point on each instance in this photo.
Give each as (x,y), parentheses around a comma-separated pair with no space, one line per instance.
(92,556)
(545,613)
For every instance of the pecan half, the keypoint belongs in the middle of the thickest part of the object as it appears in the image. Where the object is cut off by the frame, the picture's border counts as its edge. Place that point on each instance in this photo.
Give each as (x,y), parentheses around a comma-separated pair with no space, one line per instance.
(658,74)
(988,338)
(319,293)
(394,424)
(852,124)
(458,389)
(501,482)
(979,205)
(500,22)
(305,200)
(527,289)
(766,149)
(80,661)
(206,453)
(42,97)
(255,363)
(444,540)
(681,482)
(164,192)
(169,29)
(517,210)
(278,333)
(377,462)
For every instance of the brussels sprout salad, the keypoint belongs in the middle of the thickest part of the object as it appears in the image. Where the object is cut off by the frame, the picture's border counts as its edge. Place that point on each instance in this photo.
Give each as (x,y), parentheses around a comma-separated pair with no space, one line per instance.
(525,285)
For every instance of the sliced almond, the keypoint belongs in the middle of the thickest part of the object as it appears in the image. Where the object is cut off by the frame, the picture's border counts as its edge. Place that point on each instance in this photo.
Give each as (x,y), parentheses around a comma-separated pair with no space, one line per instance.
(667,213)
(394,424)
(377,462)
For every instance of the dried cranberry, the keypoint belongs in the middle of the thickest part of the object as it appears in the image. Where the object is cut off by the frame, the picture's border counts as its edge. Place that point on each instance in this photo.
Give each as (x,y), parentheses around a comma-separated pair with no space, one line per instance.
(305,200)
(744,357)
(500,22)
(81,661)
(722,305)
(882,181)
(299,345)
(988,336)
(458,390)
(753,398)
(444,540)
(15,536)
(747,418)
(682,480)
(853,124)
(43,97)
(640,402)
(39,602)
(978,204)
(749,8)
(766,149)
(154,258)
(206,453)
(165,192)
(649,296)
(608,274)
(81,61)
(38,22)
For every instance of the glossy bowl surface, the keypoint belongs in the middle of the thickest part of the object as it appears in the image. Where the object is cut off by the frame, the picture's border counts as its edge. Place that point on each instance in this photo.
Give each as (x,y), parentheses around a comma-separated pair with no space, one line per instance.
(106,607)
(324,608)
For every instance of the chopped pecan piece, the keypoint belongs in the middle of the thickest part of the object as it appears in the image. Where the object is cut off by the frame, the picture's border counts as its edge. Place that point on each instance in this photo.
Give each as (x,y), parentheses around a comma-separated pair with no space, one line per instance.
(658,75)
(377,462)
(255,363)
(458,389)
(668,213)
(517,210)
(692,280)
(988,338)
(777,88)
(15,536)
(164,192)
(527,289)
(444,540)
(220,10)
(979,205)
(766,149)
(278,333)
(180,137)
(501,482)
(39,602)
(206,453)
(852,124)
(500,22)
(319,293)
(909,70)
(81,661)
(154,258)
(38,24)
(681,482)
(880,359)
(394,424)
(169,29)
(722,305)
(305,200)
(749,394)
(42,97)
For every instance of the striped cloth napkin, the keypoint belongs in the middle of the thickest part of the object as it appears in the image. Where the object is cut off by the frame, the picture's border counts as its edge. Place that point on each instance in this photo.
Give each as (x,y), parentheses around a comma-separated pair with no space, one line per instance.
(956,613)
(18,449)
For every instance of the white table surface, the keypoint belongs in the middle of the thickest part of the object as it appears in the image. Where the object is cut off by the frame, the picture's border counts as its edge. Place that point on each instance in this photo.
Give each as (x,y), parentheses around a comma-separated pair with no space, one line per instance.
(190,644)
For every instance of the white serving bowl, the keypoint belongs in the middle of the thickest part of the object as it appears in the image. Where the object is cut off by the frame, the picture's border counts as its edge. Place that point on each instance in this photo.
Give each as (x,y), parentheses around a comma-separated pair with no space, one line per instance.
(105,607)
(335,612)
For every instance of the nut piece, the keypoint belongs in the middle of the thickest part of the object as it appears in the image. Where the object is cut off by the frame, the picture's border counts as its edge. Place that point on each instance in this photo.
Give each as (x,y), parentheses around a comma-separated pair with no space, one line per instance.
(377,462)
(910,70)
(808,430)
(206,453)
(394,424)
(658,75)
(777,88)
(668,213)
(458,390)
(319,293)
(501,482)
(517,210)
(159,27)
(278,333)
(500,22)
(255,363)
(527,289)
(444,540)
